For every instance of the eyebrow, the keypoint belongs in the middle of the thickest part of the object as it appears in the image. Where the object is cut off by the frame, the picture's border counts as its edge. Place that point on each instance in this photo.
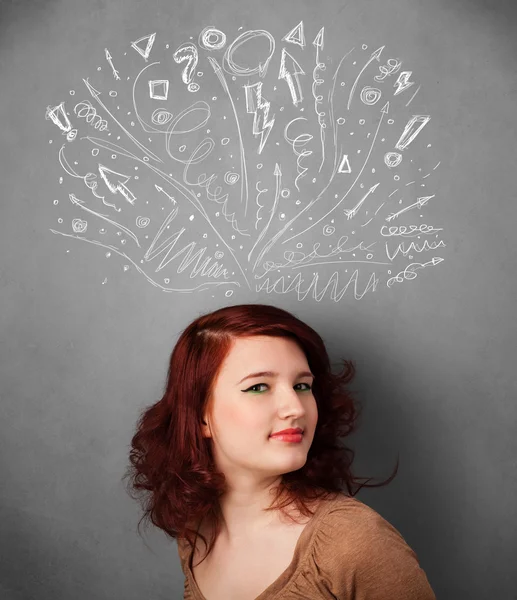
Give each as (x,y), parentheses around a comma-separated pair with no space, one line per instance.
(273,374)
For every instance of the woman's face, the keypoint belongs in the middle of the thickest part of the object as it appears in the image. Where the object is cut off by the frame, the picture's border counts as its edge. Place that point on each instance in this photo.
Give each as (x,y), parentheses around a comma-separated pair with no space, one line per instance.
(247,410)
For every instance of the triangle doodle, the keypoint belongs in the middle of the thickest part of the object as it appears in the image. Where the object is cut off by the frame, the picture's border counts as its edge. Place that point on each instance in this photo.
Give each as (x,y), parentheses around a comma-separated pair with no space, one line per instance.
(296,35)
(149,39)
(345,163)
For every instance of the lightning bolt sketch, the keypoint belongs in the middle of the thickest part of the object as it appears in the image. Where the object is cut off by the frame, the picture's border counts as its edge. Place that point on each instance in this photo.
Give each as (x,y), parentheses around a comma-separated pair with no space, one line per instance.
(259,106)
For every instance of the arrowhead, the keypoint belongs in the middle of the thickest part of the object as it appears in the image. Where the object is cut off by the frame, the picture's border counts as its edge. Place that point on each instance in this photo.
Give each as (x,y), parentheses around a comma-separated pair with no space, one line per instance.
(385,108)
(437,260)
(318,40)
(75,200)
(160,189)
(91,89)
(277,169)
(292,68)
(378,52)
(374,187)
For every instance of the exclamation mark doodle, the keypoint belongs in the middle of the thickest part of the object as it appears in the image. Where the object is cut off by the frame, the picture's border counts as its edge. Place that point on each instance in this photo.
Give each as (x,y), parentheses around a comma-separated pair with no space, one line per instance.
(413,127)
(188,52)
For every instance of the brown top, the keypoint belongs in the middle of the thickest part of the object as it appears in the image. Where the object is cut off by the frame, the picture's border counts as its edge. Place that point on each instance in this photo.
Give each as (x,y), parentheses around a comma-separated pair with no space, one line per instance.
(347,551)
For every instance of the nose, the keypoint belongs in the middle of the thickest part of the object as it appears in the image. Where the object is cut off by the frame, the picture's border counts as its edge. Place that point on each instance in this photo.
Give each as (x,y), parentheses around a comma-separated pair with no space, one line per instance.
(292,402)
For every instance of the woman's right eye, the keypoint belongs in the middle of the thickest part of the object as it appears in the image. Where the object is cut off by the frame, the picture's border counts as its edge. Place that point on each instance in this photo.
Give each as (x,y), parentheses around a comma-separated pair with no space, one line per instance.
(254,386)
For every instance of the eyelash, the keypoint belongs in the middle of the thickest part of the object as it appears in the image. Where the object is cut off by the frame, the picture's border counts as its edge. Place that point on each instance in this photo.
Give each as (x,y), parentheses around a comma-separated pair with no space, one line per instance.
(257,384)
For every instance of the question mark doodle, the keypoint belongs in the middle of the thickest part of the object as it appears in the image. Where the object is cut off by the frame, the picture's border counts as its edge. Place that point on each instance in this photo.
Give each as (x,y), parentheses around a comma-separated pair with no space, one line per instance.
(188,52)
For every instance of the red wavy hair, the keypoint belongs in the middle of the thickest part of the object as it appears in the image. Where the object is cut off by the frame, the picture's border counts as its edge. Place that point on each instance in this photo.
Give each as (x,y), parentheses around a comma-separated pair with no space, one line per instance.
(172,471)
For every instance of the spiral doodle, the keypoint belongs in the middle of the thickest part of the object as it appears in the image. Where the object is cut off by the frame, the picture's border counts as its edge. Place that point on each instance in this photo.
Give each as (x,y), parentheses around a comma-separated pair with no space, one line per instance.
(79,226)
(392,159)
(329,230)
(161,116)
(212,39)
(142,222)
(89,113)
(370,95)
(231,178)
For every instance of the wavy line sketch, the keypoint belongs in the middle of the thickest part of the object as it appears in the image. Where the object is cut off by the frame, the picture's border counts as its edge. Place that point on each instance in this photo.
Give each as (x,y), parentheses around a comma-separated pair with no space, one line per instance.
(317,81)
(333,173)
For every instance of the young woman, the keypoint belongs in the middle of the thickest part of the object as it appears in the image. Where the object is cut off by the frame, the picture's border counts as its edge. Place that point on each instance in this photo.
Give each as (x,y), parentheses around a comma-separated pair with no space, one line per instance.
(209,461)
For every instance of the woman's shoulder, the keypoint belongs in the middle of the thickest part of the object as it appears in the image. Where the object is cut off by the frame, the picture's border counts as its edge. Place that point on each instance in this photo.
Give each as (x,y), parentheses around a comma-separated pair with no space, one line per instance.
(354,547)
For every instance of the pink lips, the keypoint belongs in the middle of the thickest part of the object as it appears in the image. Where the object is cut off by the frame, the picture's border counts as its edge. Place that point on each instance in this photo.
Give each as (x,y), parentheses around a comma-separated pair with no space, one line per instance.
(289,435)
(291,431)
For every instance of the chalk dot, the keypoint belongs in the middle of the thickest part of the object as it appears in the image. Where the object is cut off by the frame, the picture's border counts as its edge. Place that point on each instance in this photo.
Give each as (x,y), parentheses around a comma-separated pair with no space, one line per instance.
(95,151)
(391,121)
(355,62)
(56,201)
(351,133)
(60,220)
(113,93)
(397,177)
(72,92)
(200,73)
(224,141)
(113,156)
(132,123)
(50,141)
(359,152)
(342,83)
(281,108)
(362,121)
(429,145)
(259,166)
(146,158)
(364,46)
(373,170)
(182,148)
(98,68)
(341,120)
(383,140)
(214,97)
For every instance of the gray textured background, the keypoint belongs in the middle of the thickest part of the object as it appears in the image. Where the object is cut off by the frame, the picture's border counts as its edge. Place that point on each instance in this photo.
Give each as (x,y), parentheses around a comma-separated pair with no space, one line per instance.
(84,344)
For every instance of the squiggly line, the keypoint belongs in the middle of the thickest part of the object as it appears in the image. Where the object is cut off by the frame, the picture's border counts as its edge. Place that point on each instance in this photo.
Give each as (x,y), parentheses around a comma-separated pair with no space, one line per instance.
(410,271)
(185,192)
(295,284)
(201,287)
(261,206)
(318,42)
(89,113)
(299,140)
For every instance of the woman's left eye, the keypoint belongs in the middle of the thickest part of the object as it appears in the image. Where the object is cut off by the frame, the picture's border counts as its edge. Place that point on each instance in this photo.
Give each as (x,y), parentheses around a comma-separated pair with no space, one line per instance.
(252,388)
